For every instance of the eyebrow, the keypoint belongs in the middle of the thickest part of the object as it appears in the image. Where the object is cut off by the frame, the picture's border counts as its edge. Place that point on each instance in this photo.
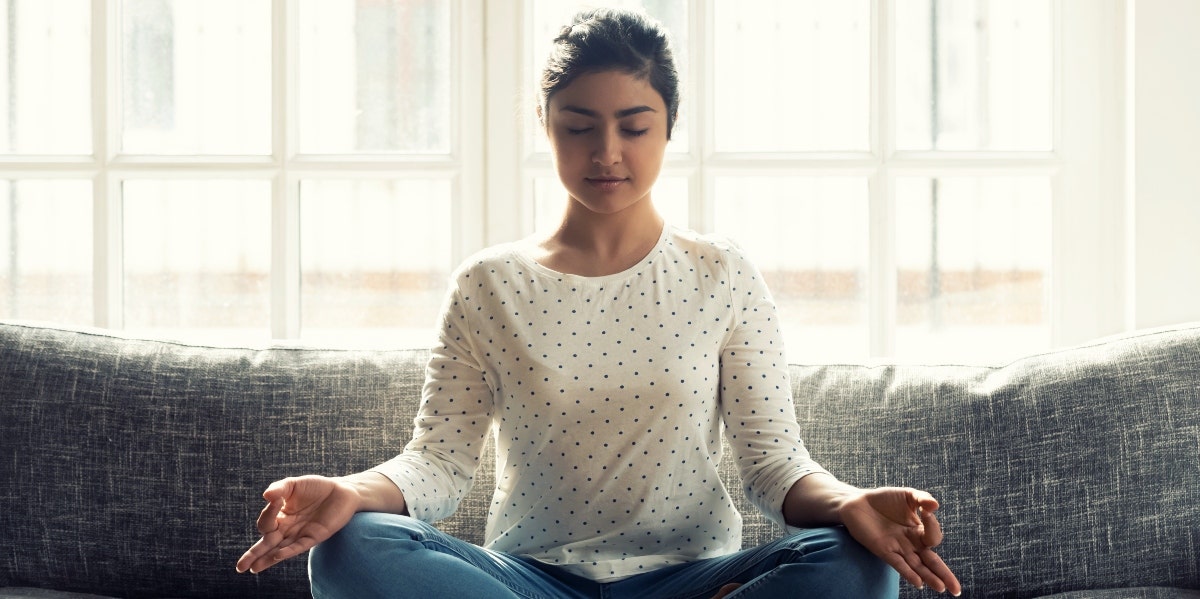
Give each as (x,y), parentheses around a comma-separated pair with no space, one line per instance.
(619,114)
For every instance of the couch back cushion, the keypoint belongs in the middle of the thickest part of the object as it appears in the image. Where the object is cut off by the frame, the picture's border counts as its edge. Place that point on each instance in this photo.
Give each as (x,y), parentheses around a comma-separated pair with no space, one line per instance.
(1077,469)
(136,467)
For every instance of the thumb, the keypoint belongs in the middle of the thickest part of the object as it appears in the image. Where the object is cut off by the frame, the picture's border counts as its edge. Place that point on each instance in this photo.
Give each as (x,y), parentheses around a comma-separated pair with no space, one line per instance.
(913,502)
(921,500)
(931,528)
(928,503)
(279,490)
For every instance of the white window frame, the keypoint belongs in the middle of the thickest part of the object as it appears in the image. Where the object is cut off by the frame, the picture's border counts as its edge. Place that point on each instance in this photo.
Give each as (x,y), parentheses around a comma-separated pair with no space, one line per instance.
(285,167)
(1089,274)
(492,167)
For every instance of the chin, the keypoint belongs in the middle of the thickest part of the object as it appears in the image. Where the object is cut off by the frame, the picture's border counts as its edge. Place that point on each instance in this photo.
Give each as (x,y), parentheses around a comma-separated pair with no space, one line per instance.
(607,205)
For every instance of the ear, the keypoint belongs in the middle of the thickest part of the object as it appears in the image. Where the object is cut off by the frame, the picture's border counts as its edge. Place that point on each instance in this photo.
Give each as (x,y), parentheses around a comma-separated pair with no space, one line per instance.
(541,117)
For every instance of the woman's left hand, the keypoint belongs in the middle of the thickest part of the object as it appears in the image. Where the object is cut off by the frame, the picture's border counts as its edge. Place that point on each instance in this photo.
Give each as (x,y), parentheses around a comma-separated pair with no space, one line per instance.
(899,525)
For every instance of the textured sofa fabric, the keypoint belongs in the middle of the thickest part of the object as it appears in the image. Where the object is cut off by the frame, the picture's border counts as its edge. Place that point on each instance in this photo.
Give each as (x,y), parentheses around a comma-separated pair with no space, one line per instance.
(1134,593)
(1075,470)
(134,468)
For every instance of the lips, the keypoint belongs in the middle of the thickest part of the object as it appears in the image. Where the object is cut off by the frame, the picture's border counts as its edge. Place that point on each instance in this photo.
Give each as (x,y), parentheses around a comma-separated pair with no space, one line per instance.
(605,183)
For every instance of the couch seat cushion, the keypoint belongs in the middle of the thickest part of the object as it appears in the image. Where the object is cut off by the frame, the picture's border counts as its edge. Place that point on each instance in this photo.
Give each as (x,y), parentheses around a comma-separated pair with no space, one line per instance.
(1138,593)
(29,593)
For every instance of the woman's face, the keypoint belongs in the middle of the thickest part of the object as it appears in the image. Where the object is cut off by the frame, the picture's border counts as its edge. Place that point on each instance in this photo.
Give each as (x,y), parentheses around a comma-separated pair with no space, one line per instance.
(608,133)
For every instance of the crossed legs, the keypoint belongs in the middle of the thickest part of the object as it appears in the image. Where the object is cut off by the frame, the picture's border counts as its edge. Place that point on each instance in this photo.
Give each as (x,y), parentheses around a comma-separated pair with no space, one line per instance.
(389,556)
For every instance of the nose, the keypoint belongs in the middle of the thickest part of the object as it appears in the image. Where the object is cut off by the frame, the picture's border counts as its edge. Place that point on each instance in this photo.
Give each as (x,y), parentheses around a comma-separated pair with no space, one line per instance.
(608,149)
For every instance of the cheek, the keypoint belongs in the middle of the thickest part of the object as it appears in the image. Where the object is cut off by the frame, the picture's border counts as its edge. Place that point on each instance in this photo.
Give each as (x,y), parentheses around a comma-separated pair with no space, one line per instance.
(647,156)
(565,148)
(568,159)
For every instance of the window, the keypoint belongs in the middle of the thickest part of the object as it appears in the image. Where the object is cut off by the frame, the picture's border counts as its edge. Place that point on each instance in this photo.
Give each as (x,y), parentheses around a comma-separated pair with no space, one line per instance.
(244,170)
(47,230)
(899,171)
(238,169)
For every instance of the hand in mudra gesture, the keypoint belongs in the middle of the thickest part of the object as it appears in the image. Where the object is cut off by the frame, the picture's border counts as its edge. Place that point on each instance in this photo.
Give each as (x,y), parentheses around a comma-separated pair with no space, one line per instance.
(300,513)
(898,525)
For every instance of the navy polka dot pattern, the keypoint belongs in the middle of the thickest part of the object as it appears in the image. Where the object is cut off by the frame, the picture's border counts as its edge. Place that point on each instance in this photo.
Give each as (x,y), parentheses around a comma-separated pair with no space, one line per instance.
(607,397)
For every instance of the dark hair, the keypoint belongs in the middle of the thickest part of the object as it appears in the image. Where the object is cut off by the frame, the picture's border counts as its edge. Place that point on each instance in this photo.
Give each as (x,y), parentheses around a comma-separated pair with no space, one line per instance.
(606,39)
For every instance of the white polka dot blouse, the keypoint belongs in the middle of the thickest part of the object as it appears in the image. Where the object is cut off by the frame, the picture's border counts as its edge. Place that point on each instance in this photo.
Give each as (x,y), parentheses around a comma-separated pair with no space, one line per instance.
(607,397)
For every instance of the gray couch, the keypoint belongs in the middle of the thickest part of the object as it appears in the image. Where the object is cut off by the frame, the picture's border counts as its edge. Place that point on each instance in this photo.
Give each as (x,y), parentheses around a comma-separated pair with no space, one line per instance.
(134,468)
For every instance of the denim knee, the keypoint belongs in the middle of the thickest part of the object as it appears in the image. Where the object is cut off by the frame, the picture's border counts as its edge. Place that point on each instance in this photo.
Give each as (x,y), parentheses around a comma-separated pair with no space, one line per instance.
(386,556)
(860,572)
(344,542)
(872,569)
(350,551)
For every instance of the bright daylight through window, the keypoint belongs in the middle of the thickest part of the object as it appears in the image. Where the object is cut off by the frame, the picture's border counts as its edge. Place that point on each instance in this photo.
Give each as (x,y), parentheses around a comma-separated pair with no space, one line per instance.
(313,169)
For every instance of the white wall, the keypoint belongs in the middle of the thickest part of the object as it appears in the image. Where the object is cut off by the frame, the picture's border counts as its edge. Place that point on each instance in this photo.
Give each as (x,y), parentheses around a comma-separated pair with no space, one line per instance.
(1166,162)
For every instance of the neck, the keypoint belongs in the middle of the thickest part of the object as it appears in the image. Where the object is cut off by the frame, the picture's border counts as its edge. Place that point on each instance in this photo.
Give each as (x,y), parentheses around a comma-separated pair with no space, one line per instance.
(609,235)
(593,244)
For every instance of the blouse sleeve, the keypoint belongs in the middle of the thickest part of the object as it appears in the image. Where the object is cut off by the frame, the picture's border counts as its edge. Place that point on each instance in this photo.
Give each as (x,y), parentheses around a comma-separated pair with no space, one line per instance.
(438,465)
(755,395)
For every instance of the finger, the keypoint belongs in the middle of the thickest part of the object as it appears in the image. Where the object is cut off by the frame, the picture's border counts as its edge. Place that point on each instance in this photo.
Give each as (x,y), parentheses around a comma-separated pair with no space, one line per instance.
(934,562)
(244,562)
(279,489)
(916,531)
(921,501)
(927,576)
(262,547)
(283,552)
(266,561)
(934,572)
(933,530)
(910,567)
(925,500)
(897,562)
(268,519)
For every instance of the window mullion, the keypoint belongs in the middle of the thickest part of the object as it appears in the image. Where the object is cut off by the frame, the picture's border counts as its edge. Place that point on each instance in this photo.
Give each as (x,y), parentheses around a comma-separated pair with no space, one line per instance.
(285,200)
(702,199)
(881,285)
(471,194)
(507,208)
(108,263)
(107,217)
(285,257)
(1090,269)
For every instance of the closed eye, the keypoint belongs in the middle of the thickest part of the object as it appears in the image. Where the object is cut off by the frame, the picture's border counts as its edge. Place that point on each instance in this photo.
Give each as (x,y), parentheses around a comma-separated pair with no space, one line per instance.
(578,131)
(635,132)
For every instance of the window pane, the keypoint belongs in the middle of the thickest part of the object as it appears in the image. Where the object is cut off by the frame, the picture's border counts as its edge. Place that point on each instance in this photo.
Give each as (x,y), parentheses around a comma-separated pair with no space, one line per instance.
(375,259)
(198,257)
(973,260)
(47,77)
(974,75)
(792,75)
(375,76)
(46,236)
(808,236)
(549,201)
(549,16)
(196,77)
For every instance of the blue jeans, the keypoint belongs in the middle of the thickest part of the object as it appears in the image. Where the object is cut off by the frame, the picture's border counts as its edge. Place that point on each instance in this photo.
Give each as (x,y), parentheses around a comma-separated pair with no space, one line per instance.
(384,555)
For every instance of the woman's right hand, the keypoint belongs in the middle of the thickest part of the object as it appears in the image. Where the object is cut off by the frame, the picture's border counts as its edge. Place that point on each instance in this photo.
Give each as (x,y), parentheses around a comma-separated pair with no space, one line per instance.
(300,513)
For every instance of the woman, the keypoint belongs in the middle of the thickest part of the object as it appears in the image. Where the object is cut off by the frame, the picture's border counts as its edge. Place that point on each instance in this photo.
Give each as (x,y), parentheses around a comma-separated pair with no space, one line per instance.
(606,357)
